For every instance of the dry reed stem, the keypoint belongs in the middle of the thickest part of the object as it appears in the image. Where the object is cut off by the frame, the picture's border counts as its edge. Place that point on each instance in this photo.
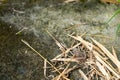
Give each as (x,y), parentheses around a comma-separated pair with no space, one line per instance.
(67,51)
(111,57)
(102,70)
(64,72)
(106,65)
(83,74)
(69,1)
(43,58)
(45,67)
(98,61)
(65,60)
(114,53)
(100,58)
(57,42)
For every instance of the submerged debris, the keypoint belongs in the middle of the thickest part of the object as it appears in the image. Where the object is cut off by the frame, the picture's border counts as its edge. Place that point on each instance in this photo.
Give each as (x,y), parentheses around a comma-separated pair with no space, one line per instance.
(90,60)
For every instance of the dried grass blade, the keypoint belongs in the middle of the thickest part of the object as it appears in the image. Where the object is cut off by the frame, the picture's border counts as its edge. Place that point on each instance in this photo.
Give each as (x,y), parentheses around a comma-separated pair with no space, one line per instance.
(67,51)
(106,65)
(26,43)
(71,69)
(102,70)
(87,44)
(21,31)
(115,61)
(40,55)
(114,53)
(64,72)
(98,50)
(83,74)
(69,1)
(56,78)
(45,66)
(66,59)
(56,41)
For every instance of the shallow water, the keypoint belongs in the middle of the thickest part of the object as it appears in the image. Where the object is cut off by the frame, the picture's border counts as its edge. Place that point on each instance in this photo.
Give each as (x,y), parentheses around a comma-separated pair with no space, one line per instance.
(19,62)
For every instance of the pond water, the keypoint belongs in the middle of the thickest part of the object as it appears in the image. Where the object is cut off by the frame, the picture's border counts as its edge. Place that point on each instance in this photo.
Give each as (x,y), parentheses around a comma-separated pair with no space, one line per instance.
(19,62)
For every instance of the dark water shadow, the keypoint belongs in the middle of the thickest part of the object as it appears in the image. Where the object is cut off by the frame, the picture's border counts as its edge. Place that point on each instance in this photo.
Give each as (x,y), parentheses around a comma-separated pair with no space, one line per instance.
(17,61)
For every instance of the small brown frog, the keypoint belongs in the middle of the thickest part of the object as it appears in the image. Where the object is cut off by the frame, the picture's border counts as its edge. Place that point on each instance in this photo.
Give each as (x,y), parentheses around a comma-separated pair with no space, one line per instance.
(78,54)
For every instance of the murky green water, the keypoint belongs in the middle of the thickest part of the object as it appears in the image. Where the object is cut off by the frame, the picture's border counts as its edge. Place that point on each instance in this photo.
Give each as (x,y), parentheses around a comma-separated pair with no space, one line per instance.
(18,62)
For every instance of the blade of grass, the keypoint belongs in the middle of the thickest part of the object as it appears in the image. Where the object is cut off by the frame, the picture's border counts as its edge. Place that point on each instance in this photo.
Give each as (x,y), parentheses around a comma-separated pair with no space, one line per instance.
(116,13)
(118,31)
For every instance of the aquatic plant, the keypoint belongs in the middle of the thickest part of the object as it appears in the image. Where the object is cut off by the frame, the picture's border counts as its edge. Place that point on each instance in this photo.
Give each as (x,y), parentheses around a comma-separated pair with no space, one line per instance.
(116,13)
(118,27)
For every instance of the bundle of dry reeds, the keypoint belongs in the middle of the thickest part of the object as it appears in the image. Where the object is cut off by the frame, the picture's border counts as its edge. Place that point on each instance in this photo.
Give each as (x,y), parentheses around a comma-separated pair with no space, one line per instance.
(94,57)
(90,59)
